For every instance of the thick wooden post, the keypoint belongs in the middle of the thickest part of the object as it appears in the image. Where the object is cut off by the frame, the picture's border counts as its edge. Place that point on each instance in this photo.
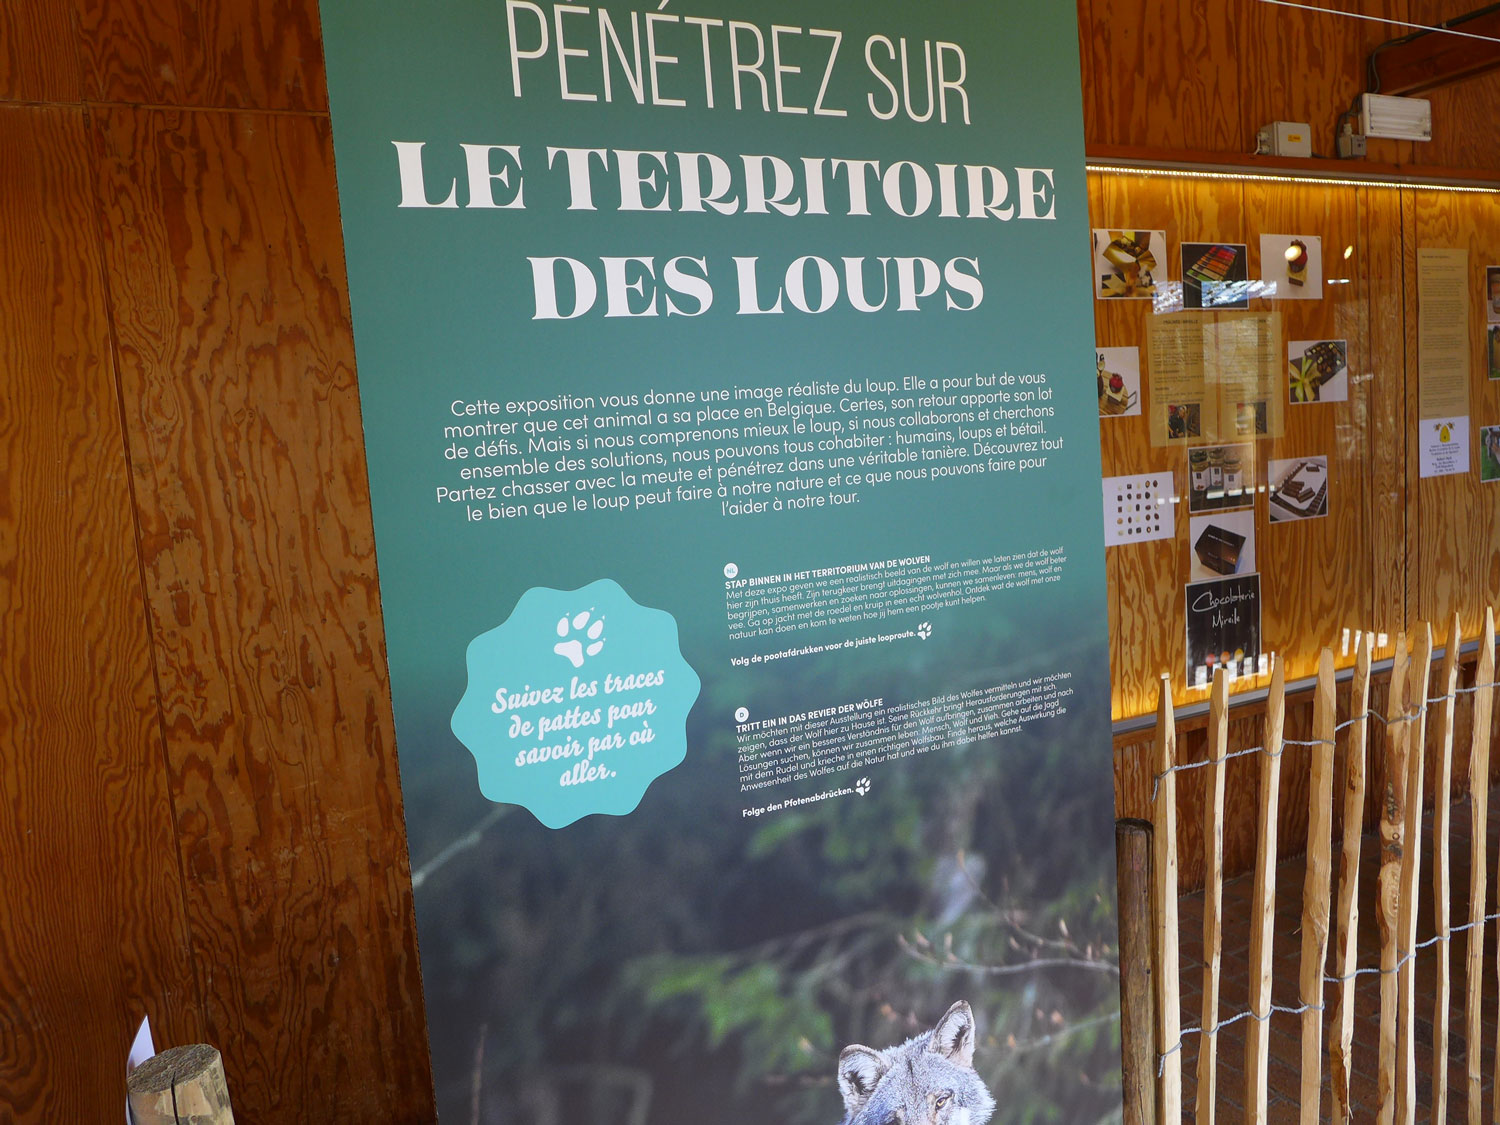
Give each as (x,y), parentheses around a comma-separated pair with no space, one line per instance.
(1164,893)
(1263,908)
(1137,1019)
(1346,951)
(183,1086)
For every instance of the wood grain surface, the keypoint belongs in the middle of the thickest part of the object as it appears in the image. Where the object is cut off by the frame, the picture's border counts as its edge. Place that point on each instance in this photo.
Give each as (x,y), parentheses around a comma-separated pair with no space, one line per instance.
(1457,539)
(1165,66)
(1346,951)
(1263,905)
(1393,817)
(222,250)
(38,56)
(260,54)
(93,934)
(1479,800)
(1318,576)
(1213,900)
(1315,889)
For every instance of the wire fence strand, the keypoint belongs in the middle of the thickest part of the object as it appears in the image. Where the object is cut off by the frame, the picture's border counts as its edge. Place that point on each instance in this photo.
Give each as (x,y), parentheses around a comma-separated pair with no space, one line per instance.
(1409,716)
(1279,1009)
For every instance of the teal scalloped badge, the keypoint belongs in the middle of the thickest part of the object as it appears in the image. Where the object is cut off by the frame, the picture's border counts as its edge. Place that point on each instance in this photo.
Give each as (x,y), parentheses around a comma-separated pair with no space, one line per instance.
(577,703)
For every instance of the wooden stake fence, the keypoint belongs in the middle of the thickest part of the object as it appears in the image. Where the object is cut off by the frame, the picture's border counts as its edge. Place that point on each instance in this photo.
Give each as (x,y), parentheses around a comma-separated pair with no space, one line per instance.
(1321,988)
(1345,959)
(1263,905)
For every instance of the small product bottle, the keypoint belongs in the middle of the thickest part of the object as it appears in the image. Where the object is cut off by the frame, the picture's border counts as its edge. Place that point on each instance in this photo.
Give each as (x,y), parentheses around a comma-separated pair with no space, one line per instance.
(1198,463)
(1234,479)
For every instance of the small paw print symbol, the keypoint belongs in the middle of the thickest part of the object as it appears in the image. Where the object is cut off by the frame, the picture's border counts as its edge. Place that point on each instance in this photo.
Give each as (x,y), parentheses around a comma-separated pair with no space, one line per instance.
(862,786)
(924,630)
(580,638)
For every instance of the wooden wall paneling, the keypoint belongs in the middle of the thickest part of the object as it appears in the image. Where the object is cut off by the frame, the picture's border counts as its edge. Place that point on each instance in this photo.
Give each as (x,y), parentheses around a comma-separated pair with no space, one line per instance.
(1315,580)
(1164,73)
(93,934)
(1465,125)
(38,52)
(1459,541)
(1382,277)
(224,257)
(253,54)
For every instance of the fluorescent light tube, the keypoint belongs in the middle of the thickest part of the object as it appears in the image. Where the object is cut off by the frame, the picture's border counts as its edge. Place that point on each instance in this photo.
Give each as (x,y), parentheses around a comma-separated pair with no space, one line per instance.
(1402,119)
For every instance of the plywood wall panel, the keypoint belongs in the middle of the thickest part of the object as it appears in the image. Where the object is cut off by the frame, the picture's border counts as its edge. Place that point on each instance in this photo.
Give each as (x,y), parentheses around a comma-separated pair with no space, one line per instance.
(1465,124)
(1315,577)
(1382,279)
(93,934)
(258,54)
(1164,73)
(1458,533)
(1144,599)
(224,257)
(38,52)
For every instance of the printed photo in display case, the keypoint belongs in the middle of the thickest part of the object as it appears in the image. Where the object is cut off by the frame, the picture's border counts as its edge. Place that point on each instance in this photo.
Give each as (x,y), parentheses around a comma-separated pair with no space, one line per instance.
(1220,476)
(1489,454)
(1291,267)
(1129,264)
(1223,627)
(1214,276)
(1318,370)
(1184,421)
(1222,544)
(1298,489)
(1119,382)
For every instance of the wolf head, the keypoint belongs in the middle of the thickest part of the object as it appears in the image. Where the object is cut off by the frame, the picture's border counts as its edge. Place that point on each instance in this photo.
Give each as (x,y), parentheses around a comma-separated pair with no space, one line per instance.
(928,1080)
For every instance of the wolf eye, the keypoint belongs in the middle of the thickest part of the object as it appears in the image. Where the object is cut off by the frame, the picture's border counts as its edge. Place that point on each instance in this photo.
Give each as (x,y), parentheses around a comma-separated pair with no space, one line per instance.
(942,1100)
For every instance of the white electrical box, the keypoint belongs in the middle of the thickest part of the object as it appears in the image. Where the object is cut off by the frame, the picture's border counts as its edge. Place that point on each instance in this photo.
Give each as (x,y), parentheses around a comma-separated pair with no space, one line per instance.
(1284,138)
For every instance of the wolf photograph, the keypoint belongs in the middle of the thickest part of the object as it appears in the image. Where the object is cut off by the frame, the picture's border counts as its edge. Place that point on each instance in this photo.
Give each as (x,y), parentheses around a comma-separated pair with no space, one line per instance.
(928,1080)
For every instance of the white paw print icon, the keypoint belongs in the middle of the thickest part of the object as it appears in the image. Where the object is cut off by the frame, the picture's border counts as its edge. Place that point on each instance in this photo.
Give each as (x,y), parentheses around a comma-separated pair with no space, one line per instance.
(924,630)
(862,786)
(580,638)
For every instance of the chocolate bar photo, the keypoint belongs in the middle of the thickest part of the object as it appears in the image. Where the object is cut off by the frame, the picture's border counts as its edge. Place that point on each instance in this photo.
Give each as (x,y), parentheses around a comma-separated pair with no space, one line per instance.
(1299,489)
(1214,276)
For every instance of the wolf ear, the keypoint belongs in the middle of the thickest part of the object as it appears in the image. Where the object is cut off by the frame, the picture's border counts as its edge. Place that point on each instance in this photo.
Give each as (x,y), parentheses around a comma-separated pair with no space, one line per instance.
(860,1071)
(953,1038)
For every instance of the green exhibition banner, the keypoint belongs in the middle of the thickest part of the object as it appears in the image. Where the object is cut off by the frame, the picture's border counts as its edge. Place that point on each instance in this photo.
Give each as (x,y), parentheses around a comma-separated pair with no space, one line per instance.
(728,381)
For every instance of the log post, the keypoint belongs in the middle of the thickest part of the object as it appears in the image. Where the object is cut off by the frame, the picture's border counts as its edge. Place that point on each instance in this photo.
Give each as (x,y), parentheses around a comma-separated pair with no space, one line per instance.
(183,1086)
(1137,1017)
